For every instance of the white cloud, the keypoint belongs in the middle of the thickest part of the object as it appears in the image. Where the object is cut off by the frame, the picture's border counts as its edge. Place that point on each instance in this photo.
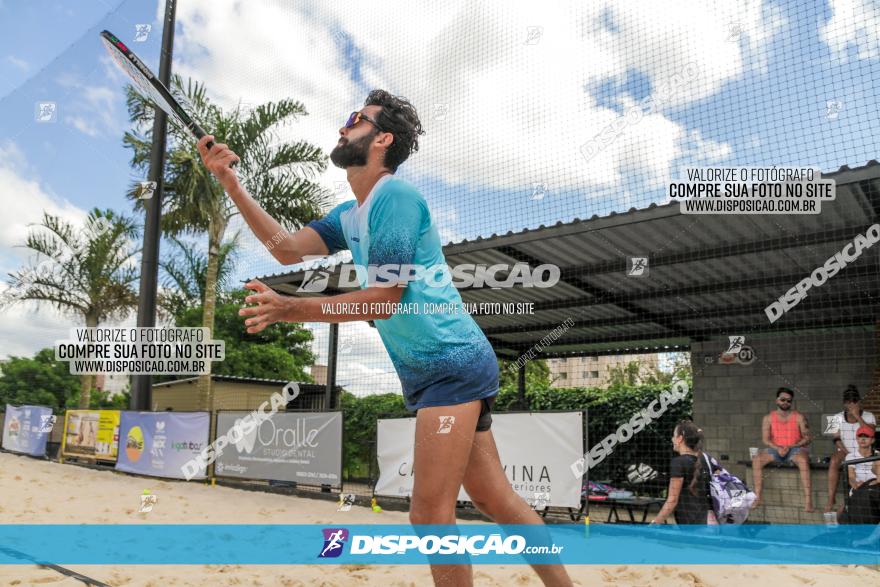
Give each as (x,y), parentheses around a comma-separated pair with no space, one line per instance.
(445,217)
(83,125)
(28,326)
(474,59)
(25,199)
(89,108)
(856,23)
(17,62)
(518,112)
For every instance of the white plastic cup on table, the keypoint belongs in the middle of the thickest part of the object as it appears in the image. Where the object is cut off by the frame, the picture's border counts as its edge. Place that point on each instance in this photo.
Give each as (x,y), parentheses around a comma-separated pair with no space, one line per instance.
(830,518)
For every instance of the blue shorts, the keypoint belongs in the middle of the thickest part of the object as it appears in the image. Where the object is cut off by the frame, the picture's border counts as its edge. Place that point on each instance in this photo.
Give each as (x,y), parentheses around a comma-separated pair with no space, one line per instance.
(787,458)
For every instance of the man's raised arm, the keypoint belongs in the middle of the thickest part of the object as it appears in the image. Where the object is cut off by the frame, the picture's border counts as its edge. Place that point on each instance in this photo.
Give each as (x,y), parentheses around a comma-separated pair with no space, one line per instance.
(288,248)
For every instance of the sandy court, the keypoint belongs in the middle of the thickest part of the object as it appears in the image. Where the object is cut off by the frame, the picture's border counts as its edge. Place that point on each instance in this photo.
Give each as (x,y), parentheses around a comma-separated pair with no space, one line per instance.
(34,491)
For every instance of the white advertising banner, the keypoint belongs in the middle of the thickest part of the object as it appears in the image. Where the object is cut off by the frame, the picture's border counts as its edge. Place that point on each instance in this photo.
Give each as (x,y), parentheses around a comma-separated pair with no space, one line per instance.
(536,452)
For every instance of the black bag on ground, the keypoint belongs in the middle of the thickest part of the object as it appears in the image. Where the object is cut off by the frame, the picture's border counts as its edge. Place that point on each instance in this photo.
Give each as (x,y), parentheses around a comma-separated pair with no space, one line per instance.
(863,506)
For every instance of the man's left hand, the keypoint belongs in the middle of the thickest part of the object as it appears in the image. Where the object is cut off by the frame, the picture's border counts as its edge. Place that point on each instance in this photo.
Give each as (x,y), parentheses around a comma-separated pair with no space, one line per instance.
(271,307)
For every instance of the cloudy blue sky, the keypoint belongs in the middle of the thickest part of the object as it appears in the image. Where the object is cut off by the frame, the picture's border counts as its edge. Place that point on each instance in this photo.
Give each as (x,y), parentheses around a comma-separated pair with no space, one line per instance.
(508,96)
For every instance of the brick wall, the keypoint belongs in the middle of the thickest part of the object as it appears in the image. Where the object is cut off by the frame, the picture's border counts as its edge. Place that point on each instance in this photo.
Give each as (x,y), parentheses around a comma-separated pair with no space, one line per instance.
(872,398)
(783,497)
(730,400)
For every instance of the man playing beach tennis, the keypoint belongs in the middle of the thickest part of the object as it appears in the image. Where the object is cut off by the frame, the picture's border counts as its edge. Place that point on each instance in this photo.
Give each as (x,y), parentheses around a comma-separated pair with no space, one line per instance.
(447,368)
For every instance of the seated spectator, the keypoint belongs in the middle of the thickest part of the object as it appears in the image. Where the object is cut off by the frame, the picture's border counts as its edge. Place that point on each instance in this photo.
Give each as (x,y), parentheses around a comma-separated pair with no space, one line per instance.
(863,501)
(688,497)
(786,434)
(845,425)
(863,472)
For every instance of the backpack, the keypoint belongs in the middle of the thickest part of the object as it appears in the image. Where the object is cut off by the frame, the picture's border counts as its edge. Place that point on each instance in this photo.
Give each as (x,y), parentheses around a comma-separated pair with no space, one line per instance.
(731,498)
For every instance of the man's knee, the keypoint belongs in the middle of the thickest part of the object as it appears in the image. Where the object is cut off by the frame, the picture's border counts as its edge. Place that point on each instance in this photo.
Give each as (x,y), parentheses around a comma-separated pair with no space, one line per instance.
(481,498)
(432,515)
(490,501)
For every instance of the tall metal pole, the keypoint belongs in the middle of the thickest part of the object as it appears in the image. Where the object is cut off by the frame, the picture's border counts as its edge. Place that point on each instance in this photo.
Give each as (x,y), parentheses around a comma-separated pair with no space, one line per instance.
(332,356)
(141,389)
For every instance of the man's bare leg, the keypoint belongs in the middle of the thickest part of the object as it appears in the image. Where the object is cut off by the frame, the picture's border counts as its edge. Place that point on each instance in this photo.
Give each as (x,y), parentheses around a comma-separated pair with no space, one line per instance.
(439,465)
(758,463)
(802,460)
(834,478)
(490,491)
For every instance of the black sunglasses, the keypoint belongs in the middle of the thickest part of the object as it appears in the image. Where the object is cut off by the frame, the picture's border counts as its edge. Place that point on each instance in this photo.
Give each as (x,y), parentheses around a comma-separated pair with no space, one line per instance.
(356,117)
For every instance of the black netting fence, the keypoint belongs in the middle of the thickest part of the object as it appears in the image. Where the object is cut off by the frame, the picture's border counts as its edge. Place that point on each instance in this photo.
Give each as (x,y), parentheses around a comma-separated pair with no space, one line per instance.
(633,197)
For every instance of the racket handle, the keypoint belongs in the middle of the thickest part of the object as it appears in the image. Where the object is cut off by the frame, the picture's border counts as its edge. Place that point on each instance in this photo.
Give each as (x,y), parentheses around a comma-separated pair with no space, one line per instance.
(210,144)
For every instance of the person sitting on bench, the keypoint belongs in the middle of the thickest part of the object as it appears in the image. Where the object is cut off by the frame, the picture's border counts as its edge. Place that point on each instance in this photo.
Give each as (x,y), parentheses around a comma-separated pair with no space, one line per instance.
(786,434)
(844,425)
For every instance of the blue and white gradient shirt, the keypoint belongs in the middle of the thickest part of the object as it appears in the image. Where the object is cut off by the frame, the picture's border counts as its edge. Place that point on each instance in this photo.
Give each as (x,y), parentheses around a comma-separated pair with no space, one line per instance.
(442,358)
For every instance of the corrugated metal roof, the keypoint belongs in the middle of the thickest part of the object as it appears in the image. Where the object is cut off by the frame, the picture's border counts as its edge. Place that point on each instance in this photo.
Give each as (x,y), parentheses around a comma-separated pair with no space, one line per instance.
(707,274)
(254,380)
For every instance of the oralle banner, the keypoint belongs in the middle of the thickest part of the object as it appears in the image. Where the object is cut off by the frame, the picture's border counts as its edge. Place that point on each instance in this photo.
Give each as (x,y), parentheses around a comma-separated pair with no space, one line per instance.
(536,453)
(305,447)
(160,443)
(26,429)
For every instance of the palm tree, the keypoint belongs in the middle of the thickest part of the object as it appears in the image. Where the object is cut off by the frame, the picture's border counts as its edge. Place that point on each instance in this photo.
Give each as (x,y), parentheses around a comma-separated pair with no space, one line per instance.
(89,273)
(185,275)
(279,175)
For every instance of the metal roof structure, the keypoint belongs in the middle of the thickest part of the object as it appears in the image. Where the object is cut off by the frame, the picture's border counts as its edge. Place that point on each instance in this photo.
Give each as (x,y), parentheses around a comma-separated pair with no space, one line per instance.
(235,379)
(708,275)
(312,395)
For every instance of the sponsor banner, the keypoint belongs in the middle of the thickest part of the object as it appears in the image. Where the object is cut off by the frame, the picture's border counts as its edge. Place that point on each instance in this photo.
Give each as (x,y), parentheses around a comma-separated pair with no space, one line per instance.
(80,433)
(305,447)
(159,443)
(536,451)
(570,544)
(26,429)
(107,443)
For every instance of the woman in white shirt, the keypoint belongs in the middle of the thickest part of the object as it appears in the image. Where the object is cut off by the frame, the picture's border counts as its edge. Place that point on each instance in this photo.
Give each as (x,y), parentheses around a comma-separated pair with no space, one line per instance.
(863,473)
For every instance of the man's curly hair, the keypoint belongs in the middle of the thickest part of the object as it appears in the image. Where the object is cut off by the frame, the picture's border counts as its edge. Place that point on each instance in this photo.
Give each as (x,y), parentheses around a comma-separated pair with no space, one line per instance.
(398,117)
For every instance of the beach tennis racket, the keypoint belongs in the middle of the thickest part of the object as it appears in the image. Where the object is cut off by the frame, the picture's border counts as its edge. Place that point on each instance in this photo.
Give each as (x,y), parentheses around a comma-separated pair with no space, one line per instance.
(150,85)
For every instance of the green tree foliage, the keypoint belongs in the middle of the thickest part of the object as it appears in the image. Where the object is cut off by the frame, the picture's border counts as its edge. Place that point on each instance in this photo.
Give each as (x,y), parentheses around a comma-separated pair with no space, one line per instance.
(102,400)
(84,273)
(607,410)
(537,373)
(185,270)
(280,352)
(43,381)
(282,176)
(359,416)
(636,373)
(40,381)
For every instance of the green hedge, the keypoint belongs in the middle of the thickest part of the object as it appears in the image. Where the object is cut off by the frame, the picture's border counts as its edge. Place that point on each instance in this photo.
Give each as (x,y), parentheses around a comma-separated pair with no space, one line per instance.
(608,408)
(359,415)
